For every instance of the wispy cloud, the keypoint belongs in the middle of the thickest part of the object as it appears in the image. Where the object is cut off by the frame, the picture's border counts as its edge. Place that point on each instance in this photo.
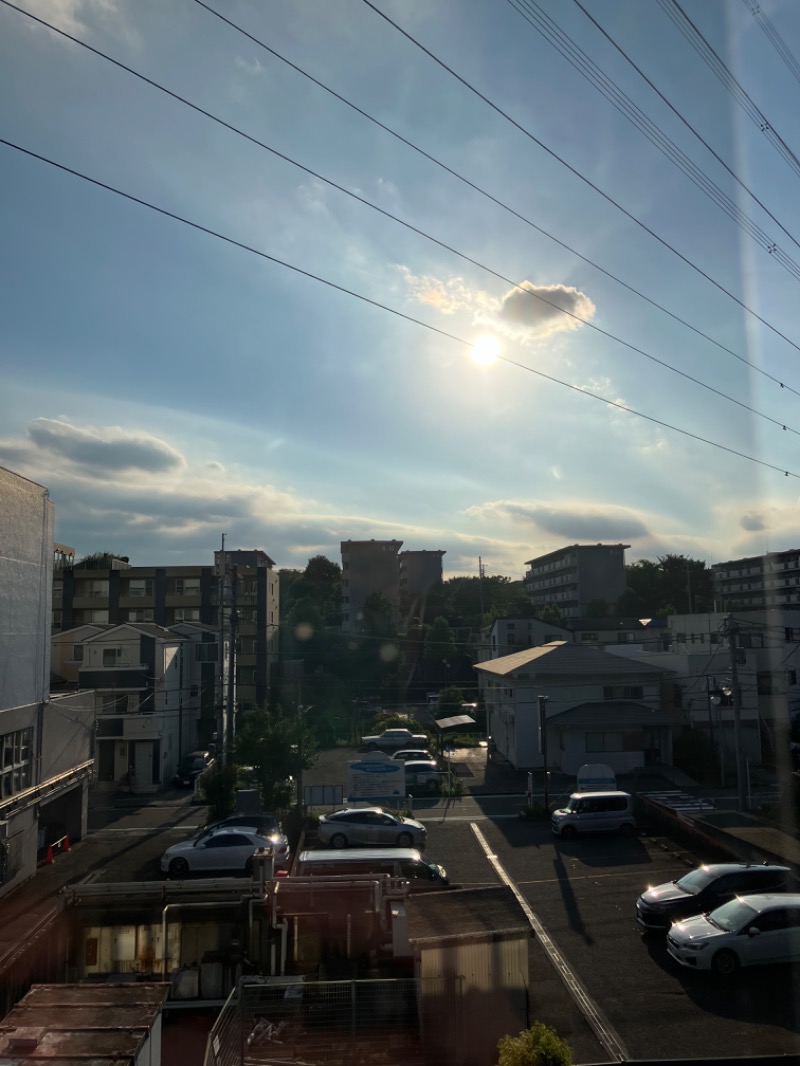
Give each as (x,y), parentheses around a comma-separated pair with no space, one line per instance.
(103,451)
(576,522)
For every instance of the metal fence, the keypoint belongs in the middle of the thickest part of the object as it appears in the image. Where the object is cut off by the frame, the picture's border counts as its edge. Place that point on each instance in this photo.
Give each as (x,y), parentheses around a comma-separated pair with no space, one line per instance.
(336,1023)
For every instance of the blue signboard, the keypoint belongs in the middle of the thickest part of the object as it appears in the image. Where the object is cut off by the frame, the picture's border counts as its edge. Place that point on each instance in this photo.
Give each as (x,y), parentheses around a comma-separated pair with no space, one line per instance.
(376,778)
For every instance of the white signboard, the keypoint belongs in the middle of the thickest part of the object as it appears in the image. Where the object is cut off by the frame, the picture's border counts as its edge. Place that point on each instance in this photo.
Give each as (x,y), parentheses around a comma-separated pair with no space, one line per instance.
(376,777)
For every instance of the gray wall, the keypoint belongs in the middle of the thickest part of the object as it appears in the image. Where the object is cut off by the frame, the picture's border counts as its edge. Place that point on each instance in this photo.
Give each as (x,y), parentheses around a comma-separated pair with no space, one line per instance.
(26,568)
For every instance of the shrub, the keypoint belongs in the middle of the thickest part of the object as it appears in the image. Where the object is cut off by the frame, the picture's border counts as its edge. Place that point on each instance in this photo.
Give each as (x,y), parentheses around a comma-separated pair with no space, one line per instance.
(538,1046)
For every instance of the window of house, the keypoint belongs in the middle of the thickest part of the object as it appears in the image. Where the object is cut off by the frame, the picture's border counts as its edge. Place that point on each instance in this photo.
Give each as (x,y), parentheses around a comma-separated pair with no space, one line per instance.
(112,656)
(99,616)
(141,614)
(77,653)
(623,692)
(189,614)
(597,742)
(587,637)
(140,586)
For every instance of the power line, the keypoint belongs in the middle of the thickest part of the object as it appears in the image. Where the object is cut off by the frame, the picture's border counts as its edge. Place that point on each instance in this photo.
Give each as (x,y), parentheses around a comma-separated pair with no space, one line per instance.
(416,230)
(581,62)
(384,307)
(696,39)
(489,196)
(577,173)
(774,37)
(769,246)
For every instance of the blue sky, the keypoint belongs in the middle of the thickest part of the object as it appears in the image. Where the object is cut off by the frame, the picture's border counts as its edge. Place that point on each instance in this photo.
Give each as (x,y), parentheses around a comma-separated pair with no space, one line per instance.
(169,386)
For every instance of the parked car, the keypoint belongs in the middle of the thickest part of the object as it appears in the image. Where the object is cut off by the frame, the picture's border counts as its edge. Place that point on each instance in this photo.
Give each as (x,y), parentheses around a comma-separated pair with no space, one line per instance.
(412,753)
(706,888)
(423,874)
(424,776)
(392,739)
(595,812)
(191,766)
(747,931)
(367,826)
(228,850)
(266,825)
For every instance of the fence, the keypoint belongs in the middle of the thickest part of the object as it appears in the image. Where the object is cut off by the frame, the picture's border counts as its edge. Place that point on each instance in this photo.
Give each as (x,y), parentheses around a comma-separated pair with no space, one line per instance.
(272,1021)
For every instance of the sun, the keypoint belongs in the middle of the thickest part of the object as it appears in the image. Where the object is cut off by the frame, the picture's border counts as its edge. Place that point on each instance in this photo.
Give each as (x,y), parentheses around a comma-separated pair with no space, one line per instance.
(485,350)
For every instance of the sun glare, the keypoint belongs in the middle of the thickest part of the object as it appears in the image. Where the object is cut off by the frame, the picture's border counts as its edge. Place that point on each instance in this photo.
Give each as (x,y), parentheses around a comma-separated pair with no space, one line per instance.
(485,349)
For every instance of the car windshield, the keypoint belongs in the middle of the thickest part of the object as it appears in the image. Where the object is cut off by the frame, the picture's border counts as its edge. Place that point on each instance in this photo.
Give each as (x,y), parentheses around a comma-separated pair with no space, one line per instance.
(391,372)
(732,916)
(696,881)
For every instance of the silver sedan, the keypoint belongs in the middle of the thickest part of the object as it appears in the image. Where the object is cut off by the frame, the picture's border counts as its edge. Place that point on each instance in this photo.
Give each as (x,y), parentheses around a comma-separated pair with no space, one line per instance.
(370,825)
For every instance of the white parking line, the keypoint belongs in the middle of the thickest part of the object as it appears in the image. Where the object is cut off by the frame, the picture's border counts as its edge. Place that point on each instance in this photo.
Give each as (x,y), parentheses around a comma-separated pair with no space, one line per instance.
(603,1030)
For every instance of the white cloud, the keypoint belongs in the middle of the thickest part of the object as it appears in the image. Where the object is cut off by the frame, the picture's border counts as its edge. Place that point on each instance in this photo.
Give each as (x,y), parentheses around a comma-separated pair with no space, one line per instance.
(249,66)
(71,16)
(103,450)
(570,523)
(527,313)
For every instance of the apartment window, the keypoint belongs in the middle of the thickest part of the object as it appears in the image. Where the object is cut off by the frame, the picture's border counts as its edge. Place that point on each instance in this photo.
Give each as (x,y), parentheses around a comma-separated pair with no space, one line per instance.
(187,614)
(93,589)
(16,761)
(114,703)
(112,656)
(141,614)
(56,620)
(77,653)
(206,653)
(140,586)
(58,591)
(187,586)
(98,617)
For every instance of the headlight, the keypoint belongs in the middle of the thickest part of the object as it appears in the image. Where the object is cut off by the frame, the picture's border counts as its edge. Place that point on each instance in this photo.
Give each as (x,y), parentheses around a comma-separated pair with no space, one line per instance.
(696,947)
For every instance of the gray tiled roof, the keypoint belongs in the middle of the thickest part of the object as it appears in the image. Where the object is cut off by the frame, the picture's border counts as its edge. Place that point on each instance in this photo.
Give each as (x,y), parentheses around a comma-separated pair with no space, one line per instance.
(619,713)
(467,912)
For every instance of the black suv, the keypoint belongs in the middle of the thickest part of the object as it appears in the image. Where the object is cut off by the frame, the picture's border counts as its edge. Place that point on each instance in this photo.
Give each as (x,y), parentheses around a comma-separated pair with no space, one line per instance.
(707,887)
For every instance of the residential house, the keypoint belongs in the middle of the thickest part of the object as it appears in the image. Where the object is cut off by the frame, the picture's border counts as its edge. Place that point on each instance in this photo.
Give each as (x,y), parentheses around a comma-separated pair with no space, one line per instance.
(46,742)
(206,676)
(599,708)
(141,688)
(571,578)
(508,635)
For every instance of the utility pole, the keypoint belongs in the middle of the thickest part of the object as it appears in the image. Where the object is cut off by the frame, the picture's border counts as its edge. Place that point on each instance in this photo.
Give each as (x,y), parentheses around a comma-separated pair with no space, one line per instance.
(220,692)
(542,700)
(731,631)
(231,697)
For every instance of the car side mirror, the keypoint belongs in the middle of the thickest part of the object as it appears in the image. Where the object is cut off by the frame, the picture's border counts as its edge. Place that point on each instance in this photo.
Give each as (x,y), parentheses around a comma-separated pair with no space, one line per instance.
(753,931)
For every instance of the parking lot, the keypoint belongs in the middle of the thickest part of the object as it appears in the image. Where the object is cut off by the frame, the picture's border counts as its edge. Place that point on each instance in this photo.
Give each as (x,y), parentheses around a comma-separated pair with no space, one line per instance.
(582,891)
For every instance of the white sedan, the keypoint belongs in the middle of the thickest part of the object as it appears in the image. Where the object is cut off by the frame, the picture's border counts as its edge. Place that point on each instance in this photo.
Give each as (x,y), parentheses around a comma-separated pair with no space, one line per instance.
(229,850)
(747,931)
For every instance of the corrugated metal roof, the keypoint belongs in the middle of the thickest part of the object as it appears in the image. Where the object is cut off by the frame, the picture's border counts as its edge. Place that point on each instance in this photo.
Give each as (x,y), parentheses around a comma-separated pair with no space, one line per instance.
(465,912)
(561,659)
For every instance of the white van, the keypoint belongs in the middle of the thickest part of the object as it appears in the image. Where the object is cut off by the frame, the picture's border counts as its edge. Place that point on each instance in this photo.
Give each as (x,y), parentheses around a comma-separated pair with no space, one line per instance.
(595,812)
(407,863)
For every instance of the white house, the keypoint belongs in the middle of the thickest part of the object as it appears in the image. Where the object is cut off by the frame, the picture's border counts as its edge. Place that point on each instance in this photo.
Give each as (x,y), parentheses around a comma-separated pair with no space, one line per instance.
(141,683)
(600,708)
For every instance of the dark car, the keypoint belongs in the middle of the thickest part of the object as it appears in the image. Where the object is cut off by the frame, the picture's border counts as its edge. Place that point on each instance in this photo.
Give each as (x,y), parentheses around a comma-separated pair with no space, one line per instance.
(706,888)
(191,766)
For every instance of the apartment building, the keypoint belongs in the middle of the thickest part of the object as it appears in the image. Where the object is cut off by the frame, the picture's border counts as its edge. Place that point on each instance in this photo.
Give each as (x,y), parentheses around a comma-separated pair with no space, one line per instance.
(759,581)
(420,574)
(369,566)
(571,578)
(165,596)
(46,742)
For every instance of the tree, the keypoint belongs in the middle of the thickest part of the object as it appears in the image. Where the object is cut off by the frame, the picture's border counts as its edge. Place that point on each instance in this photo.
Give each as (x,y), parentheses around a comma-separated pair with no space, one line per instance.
(278,747)
(597,609)
(675,584)
(538,1046)
(100,561)
(440,646)
(551,613)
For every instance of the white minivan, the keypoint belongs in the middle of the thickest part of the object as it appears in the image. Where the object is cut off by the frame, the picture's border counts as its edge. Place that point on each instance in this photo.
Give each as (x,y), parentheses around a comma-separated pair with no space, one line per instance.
(406,863)
(595,812)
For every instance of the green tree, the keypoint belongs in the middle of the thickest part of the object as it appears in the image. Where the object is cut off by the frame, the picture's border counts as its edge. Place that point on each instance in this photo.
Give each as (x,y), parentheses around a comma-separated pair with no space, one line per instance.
(551,613)
(440,646)
(278,747)
(538,1046)
(597,609)
(450,702)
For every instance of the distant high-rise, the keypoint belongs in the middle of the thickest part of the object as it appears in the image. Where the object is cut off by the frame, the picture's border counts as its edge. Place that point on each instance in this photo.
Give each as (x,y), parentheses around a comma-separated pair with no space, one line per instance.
(420,574)
(571,578)
(758,581)
(369,566)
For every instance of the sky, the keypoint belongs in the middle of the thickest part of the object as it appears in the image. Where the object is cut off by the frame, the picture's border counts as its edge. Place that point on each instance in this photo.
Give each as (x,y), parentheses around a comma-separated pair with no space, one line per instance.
(398,270)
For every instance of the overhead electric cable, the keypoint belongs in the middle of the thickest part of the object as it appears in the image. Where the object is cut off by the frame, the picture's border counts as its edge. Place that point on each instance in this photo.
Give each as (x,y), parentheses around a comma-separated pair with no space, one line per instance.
(574,170)
(681,118)
(414,229)
(166,213)
(696,39)
(774,37)
(580,61)
(493,199)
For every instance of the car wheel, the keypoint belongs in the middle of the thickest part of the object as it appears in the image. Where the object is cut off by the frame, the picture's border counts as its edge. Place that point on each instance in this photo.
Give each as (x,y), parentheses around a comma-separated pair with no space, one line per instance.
(628,829)
(569,832)
(404,840)
(338,840)
(178,868)
(725,963)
